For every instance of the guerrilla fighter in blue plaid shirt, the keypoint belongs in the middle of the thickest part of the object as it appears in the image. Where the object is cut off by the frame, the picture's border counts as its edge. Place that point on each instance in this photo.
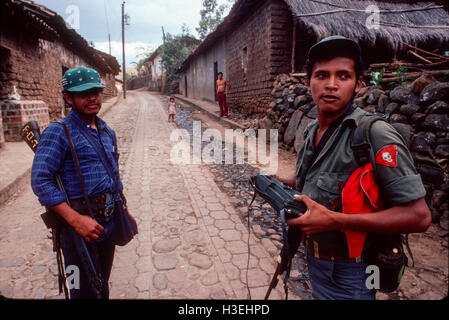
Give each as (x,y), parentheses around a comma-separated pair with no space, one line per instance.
(53,154)
(82,90)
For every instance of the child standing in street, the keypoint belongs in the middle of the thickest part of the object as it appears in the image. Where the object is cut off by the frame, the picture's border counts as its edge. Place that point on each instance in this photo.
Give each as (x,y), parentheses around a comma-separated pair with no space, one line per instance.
(171,110)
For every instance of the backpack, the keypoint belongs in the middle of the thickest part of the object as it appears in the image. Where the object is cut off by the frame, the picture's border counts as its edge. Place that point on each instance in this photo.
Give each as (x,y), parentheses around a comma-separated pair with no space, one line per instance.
(382,250)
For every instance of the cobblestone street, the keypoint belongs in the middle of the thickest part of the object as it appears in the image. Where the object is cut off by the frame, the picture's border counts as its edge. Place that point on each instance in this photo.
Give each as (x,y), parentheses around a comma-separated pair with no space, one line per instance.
(191,242)
(218,108)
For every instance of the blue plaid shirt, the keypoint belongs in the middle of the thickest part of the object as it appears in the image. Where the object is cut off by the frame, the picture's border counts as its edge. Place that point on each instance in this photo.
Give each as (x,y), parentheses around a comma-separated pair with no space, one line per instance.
(53,154)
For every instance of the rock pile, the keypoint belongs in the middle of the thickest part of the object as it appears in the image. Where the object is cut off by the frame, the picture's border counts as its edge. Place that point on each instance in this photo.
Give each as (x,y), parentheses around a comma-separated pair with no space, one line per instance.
(423,108)
(290,110)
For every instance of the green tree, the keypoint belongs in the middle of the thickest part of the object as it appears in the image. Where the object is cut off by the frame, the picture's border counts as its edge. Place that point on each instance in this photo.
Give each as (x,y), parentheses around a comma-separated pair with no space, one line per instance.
(175,50)
(212,15)
(145,52)
(129,76)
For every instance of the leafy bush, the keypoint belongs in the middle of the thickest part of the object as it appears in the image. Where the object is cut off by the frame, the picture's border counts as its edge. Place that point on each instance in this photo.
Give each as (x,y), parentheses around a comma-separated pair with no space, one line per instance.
(377,76)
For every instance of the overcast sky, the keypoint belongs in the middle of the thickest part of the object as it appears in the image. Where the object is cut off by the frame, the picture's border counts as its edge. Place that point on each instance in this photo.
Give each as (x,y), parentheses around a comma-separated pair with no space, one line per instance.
(146,19)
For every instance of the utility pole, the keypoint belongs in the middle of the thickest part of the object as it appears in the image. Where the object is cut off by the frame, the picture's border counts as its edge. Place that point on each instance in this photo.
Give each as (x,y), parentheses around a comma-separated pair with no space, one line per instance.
(109,36)
(123,45)
(107,25)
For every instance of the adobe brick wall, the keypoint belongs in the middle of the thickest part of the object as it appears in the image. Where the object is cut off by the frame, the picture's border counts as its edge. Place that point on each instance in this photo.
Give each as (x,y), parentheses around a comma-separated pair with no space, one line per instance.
(109,80)
(266,34)
(16,113)
(35,68)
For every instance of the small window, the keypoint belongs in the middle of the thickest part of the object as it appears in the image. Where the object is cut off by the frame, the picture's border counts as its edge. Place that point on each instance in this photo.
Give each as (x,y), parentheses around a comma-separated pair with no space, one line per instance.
(245,59)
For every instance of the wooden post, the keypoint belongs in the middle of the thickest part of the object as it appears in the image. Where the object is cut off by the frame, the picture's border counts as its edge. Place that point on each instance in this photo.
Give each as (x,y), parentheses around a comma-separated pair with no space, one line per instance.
(294,45)
(123,49)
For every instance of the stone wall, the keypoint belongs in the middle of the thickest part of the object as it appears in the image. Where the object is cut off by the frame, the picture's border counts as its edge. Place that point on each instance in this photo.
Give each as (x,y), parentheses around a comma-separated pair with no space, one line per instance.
(422,107)
(172,87)
(138,82)
(146,81)
(257,50)
(16,113)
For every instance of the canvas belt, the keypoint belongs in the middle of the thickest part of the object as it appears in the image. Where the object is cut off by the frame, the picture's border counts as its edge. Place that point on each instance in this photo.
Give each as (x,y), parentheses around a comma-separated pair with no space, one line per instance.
(321,252)
(103,205)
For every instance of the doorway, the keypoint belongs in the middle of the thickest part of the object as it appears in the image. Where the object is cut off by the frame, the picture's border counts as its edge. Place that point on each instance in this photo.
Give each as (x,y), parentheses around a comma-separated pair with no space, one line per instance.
(5,67)
(215,79)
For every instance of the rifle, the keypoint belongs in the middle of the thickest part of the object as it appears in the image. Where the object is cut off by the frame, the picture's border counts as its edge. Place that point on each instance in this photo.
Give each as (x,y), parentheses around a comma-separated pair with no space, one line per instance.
(288,251)
(281,198)
(31,134)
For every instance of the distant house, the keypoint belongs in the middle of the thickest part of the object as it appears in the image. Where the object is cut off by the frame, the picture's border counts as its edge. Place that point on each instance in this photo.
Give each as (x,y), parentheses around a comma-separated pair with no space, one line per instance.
(36,48)
(261,39)
(155,69)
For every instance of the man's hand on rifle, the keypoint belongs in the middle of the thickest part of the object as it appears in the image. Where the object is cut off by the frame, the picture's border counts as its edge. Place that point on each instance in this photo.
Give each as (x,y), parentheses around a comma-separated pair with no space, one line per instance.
(85,226)
(316,219)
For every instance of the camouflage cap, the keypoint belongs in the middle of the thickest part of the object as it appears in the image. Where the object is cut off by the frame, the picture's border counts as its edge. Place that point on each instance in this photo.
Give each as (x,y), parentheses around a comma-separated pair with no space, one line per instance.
(81,79)
(336,45)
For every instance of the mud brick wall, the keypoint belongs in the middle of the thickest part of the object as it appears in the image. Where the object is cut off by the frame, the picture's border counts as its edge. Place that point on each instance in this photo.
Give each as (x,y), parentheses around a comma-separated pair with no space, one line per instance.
(109,81)
(35,68)
(266,35)
(16,113)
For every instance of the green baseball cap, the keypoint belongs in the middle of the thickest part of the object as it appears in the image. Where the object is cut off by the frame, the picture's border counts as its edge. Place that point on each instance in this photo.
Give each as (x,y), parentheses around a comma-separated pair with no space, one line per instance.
(81,79)
(334,44)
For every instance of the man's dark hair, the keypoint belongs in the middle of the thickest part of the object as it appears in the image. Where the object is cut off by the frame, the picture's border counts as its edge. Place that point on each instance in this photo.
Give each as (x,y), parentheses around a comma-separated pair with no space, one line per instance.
(220,73)
(330,54)
(70,94)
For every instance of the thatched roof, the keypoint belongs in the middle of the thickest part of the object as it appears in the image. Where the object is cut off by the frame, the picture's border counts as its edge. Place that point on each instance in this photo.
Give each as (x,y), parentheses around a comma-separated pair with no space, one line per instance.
(416,23)
(48,25)
(421,23)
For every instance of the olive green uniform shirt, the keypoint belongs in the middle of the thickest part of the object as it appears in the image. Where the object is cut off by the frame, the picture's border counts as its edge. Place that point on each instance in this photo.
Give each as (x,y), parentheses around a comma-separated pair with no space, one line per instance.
(324,179)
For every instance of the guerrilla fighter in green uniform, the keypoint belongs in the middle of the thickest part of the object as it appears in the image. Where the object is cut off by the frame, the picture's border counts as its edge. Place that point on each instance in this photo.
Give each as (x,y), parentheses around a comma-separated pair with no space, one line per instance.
(334,77)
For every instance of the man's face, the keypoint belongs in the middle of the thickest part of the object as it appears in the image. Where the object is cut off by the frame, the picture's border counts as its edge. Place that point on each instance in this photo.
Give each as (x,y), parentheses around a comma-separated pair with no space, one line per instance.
(220,76)
(86,103)
(333,84)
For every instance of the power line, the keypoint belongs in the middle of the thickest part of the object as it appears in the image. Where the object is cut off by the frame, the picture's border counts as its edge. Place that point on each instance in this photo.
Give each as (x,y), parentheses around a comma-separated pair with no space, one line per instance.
(107,25)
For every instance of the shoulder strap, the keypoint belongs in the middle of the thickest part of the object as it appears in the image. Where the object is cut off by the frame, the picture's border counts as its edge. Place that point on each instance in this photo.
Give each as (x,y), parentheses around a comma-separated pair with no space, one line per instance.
(361,141)
(363,152)
(324,139)
(330,130)
(101,154)
(78,168)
